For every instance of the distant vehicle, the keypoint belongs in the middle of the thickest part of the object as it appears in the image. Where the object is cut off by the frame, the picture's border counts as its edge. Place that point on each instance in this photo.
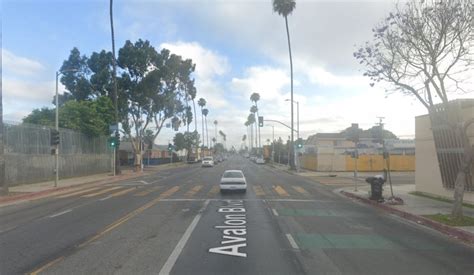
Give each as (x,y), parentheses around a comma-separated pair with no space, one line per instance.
(207,162)
(247,155)
(233,180)
(260,160)
(253,158)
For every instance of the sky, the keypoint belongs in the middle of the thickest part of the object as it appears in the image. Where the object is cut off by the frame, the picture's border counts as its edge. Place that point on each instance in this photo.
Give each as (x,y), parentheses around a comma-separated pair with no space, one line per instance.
(239,47)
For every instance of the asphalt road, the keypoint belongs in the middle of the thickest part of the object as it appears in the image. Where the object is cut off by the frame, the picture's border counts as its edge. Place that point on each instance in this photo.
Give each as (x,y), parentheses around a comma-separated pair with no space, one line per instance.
(177,222)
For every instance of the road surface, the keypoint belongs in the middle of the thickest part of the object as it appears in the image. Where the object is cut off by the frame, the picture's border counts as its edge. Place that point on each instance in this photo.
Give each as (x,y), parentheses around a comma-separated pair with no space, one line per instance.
(177,222)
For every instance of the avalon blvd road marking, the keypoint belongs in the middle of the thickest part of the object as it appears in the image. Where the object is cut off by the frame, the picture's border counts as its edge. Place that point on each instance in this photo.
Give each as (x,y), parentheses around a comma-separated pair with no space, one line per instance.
(234,230)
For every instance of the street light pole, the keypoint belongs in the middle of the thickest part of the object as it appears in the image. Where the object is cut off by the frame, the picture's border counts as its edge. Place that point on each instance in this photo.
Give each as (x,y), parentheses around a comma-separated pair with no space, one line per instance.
(56,123)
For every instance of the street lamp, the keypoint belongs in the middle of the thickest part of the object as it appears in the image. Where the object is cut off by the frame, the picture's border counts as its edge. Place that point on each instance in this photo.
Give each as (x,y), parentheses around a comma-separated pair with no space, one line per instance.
(297,117)
(56,151)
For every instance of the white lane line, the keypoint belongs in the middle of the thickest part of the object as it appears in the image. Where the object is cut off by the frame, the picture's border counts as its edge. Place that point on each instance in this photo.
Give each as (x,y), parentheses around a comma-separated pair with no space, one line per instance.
(274,212)
(166,269)
(292,241)
(60,213)
(106,198)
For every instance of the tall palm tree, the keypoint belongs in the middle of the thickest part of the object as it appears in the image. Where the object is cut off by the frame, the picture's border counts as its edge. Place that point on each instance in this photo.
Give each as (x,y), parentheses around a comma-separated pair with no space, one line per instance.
(255,97)
(251,121)
(205,112)
(254,110)
(215,128)
(285,8)
(202,102)
(114,79)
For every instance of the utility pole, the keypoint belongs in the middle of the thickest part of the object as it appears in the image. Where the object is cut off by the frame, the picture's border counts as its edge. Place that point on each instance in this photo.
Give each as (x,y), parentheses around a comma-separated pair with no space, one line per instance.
(3,183)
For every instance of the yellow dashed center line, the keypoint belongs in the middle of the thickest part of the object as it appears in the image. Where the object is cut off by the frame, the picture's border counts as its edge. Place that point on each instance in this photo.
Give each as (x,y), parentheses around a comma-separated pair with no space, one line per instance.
(300,190)
(102,192)
(148,191)
(282,192)
(111,226)
(193,191)
(258,190)
(123,192)
(76,193)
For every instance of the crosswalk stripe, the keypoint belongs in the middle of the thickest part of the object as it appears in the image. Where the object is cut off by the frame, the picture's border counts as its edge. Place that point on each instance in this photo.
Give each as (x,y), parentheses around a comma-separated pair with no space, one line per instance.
(258,190)
(301,190)
(169,192)
(76,193)
(123,192)
(193,191)
(213,191)
(282,192)
(101,192)
(148,191)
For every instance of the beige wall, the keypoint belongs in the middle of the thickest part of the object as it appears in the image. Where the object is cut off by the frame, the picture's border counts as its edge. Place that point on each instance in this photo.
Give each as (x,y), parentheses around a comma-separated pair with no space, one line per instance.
(428,175)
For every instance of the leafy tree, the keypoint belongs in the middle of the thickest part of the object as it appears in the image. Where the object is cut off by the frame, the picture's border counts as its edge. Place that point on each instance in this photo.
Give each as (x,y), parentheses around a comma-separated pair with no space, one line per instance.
(285,8)
(219,148)
(89,117)
(153,87)
(424,50)
(179,141)
(186,141)
(75,77)
(44,116)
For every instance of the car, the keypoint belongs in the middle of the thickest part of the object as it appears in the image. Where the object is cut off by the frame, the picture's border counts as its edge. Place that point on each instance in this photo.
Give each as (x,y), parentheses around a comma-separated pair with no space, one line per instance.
(207,162)
(253,158)
(233,180)
(260,161)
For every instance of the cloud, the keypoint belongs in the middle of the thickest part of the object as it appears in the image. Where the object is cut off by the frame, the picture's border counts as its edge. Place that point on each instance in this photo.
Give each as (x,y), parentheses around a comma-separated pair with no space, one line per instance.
(208,63)
(14,64)
(209,66)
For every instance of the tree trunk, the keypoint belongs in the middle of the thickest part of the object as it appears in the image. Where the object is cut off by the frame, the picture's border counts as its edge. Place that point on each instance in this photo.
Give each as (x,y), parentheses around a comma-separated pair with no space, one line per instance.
(292,147)
(464,171)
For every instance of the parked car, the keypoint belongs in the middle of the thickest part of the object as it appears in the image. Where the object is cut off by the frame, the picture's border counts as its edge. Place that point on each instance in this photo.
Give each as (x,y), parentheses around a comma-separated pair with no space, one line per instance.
(207,162)
(260,160)
(233,180)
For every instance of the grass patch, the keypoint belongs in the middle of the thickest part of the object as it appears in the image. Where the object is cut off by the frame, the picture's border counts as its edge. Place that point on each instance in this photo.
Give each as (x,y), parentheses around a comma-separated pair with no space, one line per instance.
(448,220)
(421,194)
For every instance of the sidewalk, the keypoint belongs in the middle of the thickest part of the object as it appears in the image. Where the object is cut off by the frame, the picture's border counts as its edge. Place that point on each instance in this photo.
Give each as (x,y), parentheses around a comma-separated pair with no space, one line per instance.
(26,192)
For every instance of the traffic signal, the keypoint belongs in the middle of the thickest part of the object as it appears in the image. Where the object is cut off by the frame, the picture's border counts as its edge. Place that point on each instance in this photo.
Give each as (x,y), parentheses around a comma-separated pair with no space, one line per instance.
(260,121)
(170,147)
(299,143)
(117,139)
(112,141)
(54,136)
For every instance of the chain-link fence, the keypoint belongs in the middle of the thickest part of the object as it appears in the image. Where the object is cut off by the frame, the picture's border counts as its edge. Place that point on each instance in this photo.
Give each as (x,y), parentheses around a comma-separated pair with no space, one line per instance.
(28,154)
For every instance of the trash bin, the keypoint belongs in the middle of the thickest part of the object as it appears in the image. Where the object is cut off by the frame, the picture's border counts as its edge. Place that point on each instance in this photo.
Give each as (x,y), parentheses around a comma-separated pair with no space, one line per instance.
(376,189)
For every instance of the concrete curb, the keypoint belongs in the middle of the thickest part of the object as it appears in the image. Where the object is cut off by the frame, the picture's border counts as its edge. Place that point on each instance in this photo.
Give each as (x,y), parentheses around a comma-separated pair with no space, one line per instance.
(445,229)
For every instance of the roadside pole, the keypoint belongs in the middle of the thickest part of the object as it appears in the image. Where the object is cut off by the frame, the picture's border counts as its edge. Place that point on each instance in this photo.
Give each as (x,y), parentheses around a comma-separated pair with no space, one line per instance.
(114,158)
(356,156)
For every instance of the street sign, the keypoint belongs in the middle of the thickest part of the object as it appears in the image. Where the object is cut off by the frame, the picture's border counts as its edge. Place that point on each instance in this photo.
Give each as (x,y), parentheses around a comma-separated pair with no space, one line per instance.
(113,127)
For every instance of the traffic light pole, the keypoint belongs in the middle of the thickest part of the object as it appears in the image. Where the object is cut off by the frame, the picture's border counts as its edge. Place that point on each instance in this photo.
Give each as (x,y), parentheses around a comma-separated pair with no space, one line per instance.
(56,147)
(114,157)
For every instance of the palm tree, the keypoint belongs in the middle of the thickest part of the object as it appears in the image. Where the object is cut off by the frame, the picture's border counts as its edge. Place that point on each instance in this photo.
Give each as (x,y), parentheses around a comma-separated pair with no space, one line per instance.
(254,110)
(202,102)
(205,112)
(114,79)
(255,97)
(215,128)
(251,121)
(285,8)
